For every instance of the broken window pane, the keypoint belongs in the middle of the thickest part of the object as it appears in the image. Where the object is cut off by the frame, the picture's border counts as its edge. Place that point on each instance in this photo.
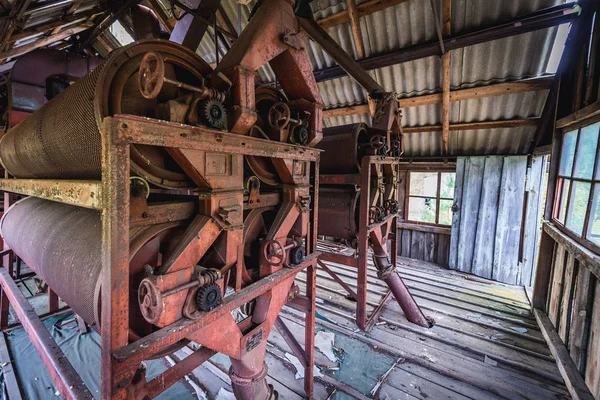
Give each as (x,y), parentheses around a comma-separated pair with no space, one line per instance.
(421,209)
(446,212)
(448,181)
(423,184)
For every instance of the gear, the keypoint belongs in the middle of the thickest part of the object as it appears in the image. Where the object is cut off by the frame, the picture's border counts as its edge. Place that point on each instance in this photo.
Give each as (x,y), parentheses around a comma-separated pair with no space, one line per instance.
(297,255)
(299,135)
(212,113)
(208,297)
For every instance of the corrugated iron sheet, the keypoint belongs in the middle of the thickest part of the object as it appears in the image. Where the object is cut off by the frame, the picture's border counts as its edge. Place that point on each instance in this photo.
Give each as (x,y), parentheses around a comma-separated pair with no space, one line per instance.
(409,23)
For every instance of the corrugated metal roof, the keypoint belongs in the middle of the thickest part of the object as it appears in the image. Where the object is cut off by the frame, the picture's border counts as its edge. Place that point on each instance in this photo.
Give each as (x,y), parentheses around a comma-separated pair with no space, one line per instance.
(409,23)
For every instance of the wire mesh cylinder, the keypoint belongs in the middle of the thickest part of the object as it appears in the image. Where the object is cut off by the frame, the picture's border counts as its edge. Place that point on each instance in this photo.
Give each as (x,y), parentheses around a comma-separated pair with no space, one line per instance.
(63,138)
(62,245)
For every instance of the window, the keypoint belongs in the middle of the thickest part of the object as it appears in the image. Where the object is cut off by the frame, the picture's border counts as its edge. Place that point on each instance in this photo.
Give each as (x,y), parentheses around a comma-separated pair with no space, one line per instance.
(577,197)
(431,197)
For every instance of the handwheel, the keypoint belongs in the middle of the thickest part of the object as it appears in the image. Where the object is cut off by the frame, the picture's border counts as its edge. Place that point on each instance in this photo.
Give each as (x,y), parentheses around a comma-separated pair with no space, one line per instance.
(279,115)
(151,75)
(274,253)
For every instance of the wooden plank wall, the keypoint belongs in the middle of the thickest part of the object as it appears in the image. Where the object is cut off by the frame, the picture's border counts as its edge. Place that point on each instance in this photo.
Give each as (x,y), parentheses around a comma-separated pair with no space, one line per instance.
(426,246)
(486,230)
(573,304)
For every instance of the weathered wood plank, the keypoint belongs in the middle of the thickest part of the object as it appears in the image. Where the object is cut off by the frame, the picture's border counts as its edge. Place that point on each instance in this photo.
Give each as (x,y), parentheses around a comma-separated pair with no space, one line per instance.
(573,379)
(430,240)
(406,241)
(415,245)
(508,224)
(567,300)
(556,285)
(443,250)
(469,210)
(541,287)
(535,188)
(584,255)
(483,257)
(579,315)
(454,236)
(439,230)
(592,370)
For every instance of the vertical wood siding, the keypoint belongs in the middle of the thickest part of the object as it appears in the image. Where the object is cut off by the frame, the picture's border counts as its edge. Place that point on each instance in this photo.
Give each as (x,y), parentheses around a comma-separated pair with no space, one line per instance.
(486,229)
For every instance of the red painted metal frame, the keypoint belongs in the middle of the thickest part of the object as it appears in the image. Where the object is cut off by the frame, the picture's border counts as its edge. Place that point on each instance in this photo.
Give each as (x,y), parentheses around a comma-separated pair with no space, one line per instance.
(364,321)
(120,360)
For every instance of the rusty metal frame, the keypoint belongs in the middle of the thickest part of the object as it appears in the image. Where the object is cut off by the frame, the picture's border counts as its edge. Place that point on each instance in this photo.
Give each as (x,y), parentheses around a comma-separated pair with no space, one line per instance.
(360,261)
(120,360)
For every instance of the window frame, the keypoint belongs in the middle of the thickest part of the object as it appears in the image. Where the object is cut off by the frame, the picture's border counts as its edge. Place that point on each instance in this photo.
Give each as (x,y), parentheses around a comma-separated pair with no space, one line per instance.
(437,197)
(561,180)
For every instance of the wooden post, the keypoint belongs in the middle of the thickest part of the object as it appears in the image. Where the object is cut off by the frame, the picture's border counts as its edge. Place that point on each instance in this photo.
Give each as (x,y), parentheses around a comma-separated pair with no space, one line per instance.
(356,32)
(446,67)
(543,272)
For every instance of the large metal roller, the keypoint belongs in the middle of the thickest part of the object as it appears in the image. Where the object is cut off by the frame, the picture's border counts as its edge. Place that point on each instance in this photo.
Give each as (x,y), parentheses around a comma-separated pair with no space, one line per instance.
(63,138)
(344,148)
(338,212)
(62,245)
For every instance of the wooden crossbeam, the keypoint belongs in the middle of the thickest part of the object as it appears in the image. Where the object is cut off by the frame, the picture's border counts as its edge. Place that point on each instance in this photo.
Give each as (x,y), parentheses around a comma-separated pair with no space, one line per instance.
(165,20)
(17,51)
(55,25)
(508,123)
(526,85)
(366,8)
(542,19)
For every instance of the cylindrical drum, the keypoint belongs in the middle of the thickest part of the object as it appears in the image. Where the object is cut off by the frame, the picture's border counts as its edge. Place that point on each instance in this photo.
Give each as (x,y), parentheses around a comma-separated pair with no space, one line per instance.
(62,245)
(63,138)
(338,212)
(344,148)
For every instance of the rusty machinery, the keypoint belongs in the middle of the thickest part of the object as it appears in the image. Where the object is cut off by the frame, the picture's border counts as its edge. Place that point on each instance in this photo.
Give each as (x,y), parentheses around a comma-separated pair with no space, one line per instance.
(180,194)
(359,187)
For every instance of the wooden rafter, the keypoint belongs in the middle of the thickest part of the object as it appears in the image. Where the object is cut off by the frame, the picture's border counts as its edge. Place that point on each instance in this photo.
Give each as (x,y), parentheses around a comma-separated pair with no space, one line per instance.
(508,123)
(55,26)
(446,68)
(526,85)
(17,51)
(366,8)
(356,31)
(72,9)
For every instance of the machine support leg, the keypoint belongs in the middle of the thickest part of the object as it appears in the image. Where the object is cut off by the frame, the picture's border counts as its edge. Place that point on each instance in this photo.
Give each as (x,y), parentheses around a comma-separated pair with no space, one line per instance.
(4,302)
(309,334)
(363,244)
(249,376)
(52,301)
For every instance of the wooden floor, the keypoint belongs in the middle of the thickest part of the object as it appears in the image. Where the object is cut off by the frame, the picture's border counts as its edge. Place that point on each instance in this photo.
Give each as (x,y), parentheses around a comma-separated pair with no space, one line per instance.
(485,344)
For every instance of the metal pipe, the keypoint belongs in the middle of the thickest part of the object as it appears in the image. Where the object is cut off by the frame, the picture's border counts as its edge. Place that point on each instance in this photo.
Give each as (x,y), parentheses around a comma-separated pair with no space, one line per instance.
(388,273)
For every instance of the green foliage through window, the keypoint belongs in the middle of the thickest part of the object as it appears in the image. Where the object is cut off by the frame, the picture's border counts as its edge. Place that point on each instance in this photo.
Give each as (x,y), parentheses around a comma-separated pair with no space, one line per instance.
(431,197)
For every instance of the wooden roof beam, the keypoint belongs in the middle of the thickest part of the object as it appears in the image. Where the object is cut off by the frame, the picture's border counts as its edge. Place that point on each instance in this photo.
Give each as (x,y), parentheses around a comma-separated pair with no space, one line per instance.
(526,85)
(55,26)
(508,123)
(541,19)
(366,8)
(17,51)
